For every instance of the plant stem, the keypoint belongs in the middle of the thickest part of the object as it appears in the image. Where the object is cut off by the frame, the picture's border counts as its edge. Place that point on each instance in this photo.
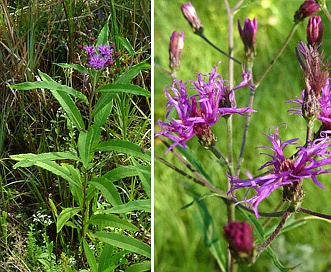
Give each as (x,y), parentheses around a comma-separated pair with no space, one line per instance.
(272,237)
(317,214)
(326,12)
(218,49)
(280,51)
(232,266)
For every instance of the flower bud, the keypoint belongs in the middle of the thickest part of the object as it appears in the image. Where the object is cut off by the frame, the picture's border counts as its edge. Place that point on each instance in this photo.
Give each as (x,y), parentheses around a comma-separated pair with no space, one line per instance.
(205,136)
(248,36)
(192,17)
(175,50)
(315,31)
(307,9)
(241,241)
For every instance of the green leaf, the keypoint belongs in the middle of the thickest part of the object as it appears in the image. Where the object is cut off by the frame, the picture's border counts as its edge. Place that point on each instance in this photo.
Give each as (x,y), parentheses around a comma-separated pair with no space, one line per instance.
(86,142)
(124,242)
(110,220)
(124,88)
(90,257)
(136,205)
(107,189)
(204,223)
(104,101)
(77,67)
(126,44)
(143,266)
(101,116)
(125,147)
(126,171)
(64,216)
(145,177)
(132,72)
(103,35)
(29,159)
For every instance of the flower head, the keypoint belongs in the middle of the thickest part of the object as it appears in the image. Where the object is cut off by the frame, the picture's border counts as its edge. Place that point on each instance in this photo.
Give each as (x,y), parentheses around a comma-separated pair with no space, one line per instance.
(315,31)
(175,50)
(192,17)
(197,113)
(100,58)
(286,172)
(248,36)
(241,240)
(307,9)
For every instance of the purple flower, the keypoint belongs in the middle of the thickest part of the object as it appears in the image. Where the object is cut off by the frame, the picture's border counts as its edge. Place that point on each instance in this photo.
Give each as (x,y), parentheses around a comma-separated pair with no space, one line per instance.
(101,58)
(286,172)
(192,17)
(307,9)
(197,113)
(248,36)
(89,50)
(176,46)
(315,31)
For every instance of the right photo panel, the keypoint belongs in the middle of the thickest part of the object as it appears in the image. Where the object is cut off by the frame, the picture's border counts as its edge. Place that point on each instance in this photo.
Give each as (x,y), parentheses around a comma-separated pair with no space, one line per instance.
(242,135)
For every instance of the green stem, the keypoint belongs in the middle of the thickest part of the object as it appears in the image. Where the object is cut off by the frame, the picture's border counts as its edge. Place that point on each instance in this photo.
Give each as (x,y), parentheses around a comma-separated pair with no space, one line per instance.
(280,51)
(218,49)
(326,12)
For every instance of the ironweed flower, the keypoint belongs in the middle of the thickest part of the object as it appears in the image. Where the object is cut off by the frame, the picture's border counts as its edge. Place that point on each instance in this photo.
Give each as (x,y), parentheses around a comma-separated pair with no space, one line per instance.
(307,9)
(315,31)
(176,46)
(241,241)
(199,112)
(286,172)
(100,58)
(192,17)
(248,36)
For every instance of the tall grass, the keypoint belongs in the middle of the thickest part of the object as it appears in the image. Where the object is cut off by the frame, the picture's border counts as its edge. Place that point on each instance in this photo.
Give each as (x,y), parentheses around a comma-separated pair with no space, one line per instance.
(178,245)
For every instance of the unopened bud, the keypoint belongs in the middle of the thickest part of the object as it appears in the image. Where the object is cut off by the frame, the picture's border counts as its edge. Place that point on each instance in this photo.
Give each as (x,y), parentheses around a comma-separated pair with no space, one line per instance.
(205,135)
(307,9)
(241,241)
(315,31)
(192,17)
(175,50)
(248,36)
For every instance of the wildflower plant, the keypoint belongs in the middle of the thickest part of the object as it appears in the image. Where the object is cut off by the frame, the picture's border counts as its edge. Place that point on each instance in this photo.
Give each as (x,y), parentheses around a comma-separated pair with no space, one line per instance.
(206,105)
(97,213)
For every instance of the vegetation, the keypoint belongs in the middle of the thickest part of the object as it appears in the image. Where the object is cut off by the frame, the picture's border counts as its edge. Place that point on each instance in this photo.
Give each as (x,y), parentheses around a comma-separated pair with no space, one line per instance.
(75,182)
(179,243)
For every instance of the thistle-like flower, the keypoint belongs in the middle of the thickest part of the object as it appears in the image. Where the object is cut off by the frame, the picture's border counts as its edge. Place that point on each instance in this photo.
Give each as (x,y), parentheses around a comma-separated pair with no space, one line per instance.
(199,112)
(284,172)
(192,17)
(241,241)
(100,58)
(176,46)
(315,31)
(248,36)
(307,9)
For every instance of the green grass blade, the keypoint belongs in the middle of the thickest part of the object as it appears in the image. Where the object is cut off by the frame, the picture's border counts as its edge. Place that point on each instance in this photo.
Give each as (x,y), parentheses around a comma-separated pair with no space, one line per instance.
(124,242)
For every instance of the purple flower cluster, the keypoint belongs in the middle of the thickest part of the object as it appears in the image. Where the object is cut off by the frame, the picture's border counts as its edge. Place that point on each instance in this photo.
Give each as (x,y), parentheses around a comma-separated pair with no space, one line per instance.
(100,58)
(197,113)
(286,172)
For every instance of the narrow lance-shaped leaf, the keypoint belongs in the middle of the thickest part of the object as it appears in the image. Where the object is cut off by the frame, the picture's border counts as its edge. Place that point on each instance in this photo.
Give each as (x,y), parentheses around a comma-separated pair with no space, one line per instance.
(124,88)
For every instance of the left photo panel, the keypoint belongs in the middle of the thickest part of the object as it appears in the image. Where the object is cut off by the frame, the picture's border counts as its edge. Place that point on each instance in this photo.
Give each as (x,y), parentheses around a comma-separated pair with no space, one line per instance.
(75,135)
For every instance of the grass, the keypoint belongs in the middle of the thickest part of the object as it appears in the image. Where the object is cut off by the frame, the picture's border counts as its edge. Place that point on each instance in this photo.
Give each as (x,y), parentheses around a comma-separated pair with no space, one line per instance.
(33,37)
(178,245)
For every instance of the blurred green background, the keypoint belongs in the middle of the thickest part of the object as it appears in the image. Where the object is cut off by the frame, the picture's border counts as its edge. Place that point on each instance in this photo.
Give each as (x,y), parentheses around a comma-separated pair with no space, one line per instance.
(178,244)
